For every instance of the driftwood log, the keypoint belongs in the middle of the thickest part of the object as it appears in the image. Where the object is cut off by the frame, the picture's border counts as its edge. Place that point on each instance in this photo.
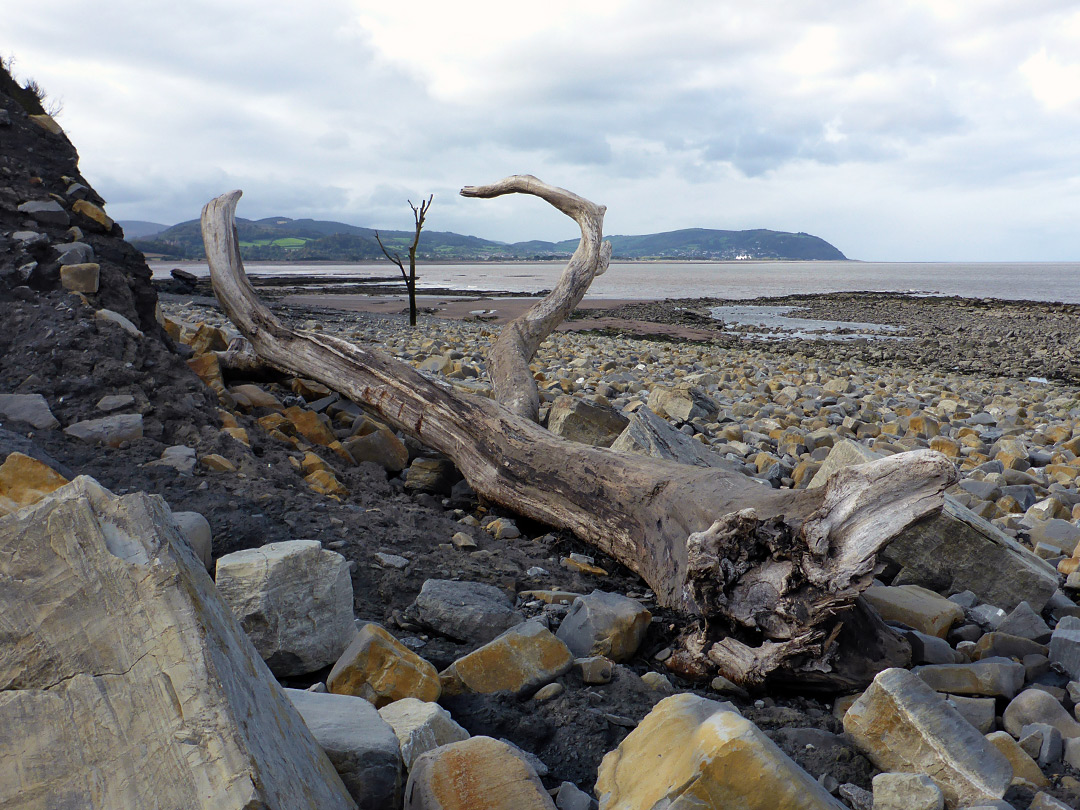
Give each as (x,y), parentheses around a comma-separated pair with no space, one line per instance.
(765,576)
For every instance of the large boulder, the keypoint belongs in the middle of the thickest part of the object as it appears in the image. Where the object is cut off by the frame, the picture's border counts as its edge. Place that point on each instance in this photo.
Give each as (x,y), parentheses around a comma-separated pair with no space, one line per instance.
(466,611)
(607,624)
(903,725)
(294,599)
(476,774)
(125,681)
(420,727)
(520,661)
(360,744)
(692,752)
(380,669)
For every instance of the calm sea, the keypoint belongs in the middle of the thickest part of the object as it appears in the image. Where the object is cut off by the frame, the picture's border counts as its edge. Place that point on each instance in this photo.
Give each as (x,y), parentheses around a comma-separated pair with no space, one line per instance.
(1057,281)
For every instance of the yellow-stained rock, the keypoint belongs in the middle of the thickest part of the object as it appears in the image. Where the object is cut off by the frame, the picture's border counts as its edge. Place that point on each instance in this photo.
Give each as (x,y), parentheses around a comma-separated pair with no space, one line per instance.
(275,421)
(309,389)
(583,567)
(206,338)
(218,463)
(380,669)
(338,449)
(690,751)
(475,774)
(916,607)
(326,483)
(310,425)
(312,463)
(945,446)
(207,368)
(237,433)
(520,660)
(172,328)
(1025,769)
(47,122)
(255,397)
(93,212)
(903,726)
(551,597)
(25,480)
(380,446)
(83,278)
(228,419)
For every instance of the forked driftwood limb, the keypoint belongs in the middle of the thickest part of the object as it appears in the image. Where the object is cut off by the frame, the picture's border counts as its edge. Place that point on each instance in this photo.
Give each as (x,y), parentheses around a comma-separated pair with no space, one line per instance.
(508,360)
(767,574)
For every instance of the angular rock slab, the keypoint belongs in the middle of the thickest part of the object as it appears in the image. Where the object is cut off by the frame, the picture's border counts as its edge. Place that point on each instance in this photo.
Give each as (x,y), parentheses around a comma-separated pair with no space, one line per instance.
(903,725)
(691,752)
(958,550)
(476,774)
(916,607)
(1065,646)
(520,661)
(421,727)
(358,741)
(993,677)
(607,624)
(30,408)
(125,681)
(466,611)
(295,601)
(649,435)
(380,669)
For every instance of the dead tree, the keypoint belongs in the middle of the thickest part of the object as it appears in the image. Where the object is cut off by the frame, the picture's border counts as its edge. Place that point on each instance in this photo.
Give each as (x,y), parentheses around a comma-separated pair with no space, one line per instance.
(419,214)
(765,576)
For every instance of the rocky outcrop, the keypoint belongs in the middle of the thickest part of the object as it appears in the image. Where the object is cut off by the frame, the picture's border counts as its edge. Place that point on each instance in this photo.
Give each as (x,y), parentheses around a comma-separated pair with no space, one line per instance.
(125,681)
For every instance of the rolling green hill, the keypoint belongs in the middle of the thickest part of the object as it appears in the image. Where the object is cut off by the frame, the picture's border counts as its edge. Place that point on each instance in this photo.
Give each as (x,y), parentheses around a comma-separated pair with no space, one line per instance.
(284,239)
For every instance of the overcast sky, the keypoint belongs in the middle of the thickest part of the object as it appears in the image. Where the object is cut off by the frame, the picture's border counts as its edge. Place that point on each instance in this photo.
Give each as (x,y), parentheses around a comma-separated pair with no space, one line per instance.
(895,129)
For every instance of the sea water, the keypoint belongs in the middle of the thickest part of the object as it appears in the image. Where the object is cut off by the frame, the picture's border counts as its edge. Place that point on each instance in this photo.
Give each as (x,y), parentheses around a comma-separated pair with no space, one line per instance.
(1035,281)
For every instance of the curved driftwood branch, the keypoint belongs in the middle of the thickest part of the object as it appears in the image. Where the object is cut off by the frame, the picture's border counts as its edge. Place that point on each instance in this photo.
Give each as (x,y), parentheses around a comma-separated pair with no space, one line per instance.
(771,567)
(508,360)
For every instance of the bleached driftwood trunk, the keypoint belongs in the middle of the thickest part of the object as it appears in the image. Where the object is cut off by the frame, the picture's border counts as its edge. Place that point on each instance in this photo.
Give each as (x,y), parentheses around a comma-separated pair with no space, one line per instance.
(765,573)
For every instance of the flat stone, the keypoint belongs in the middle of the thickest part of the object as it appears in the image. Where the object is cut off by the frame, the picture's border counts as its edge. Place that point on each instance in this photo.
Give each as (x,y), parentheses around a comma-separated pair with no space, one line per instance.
(903,725)
(997,678)
(125,681)
(380,669)
(25,481)
(392,560)
(480,773)
(1060,534)
(1037,706)
(180,457)
(906,791)
(607,624)
(83,277)
(581,421)
(360,744)
(435,475)
(683,403)
(251,396)
(420,726)
(109,430)
(551,597)
(467,611)
(1065,646)
(693,752)
(295,601)
(47,212)
(519,661)
(30,408)
(196,530)
(916,607)
(1024,767)
(114,402)
(927,649)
